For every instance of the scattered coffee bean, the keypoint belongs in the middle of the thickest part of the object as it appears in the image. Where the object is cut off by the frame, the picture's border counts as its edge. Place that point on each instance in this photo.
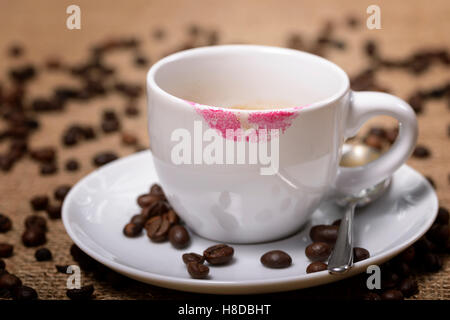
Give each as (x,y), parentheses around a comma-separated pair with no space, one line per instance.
(402,269)
(179,236)
(408,287)
(54,211)
(318,251)
(6,250)
(316,267)
(360,254)
(131,110)
(276,259)
(145,200)
(33,237)
(5,223)
(110,125)
(416,102)
(389,279)
(158,34)
(141,61)
(39,203)
(370,48)
(48,168)
(84,293)
(15,51)
(392,294)
(157,228)
(37,222)
(324,233)
(129,139)
(9,281)
(193,257)
(197,270)
(132,230)
(43,254)
(442,216)
(61,192)
(219,254)
(371,296)
(421,152)
(103,158)
(439,234)
(24,293)
(408,255)
(62,268)
(72,165)
(44,154)
(432,262)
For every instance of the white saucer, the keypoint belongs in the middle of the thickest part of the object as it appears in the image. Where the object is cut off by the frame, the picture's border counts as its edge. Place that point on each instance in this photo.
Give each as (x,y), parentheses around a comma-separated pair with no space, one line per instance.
(98,206)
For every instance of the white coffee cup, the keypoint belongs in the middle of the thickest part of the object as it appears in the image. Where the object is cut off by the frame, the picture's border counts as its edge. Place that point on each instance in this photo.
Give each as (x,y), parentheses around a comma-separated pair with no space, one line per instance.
(234,202)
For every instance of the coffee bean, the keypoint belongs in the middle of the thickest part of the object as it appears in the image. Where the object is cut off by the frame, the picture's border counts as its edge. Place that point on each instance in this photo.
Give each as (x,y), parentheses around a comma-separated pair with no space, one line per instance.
(172,217)
(48,168)
(179,236)
(145,200)
(54,211)
(138,220)
(103,158)
(432,262)
(131,110)
(6,250)
(23,73)
(84,293)
(402,269)
(15,51)
(158,34)
(439,234)
(318,251)
(324,233)
(156,190)
(423,245)
(140,61)
(370,48)
(110,125)
(44,154)
(72,165)
(132,230)
(409,287)
(371,296)
(392,294)
(33,237)
(276,259)
(2,265)
(88,133)
(61,192)
(9,281)
(389,279)
(408,255)
(37,222)
(360,254)
(43,254)
(24,293)
(316,267)
(5,223)
(219,254)
(374,141)
(129,139)
(193,257)
(39,203)
(157,228)
(62,268)
(421,152)
(442,216)
(416,102)
(197,270)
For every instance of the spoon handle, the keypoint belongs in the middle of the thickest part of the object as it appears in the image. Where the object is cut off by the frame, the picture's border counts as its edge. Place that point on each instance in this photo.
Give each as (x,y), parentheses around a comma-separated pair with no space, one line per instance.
(341,259)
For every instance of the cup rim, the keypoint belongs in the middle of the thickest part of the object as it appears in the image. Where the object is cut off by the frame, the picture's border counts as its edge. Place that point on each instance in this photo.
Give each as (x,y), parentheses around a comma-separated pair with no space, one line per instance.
(151,83)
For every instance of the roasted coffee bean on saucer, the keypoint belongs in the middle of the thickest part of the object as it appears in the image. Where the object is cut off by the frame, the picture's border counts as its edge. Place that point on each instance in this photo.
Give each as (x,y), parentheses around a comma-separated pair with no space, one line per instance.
(193,257)
(316,267)
(197,270)
(324,233)
(157,228)
(318,251)
(219,254)
(276,259)
(146,200)
(179,236)
(132,230)
(360,254)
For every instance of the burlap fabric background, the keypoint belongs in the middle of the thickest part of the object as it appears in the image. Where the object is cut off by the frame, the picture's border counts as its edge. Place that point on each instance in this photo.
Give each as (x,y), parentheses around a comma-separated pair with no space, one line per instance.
(40,27)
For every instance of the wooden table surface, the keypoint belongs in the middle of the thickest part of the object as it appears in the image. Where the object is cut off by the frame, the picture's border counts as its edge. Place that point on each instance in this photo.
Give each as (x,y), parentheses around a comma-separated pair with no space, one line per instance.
(40,26)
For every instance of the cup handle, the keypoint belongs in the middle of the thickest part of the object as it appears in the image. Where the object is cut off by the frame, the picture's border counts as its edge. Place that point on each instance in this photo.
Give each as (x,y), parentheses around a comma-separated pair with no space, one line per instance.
(365,105)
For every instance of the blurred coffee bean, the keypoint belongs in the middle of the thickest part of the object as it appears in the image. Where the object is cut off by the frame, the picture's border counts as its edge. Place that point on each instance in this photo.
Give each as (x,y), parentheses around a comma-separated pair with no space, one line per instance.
(158,34)
(416,102)
(276,259)
(72,165)
(179,236)
(24,293)
(132,230)
(84,293)
(140,61)
(5,223)
(61,192)
(138,220)
(104,157)
(23,73)
(54,211)
(408,287)
(172,217)
(43,254)
(146,200)
(316,267)
(39,202)
(432,262)
(6,250)
(154,209)
(37,222)
(421,152)
(318,251)
(157,190)
(360,254)
(423,245)
(408,255)
(110,125)
(324,233)
(129,139)
(442,216)
(33,237)
(219,254)
(62,268)
(370,48)
(374,141)
(15,50)
(389,279)
(371,296)
(402,269)
(197,270)
(48,168)
(392,294)
(439,234)
(157,228)
(193,257)
(9,281)
(44,154)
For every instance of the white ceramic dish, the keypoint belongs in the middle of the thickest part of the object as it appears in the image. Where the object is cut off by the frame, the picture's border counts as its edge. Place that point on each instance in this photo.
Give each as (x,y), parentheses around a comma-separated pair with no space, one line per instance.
(98,206)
